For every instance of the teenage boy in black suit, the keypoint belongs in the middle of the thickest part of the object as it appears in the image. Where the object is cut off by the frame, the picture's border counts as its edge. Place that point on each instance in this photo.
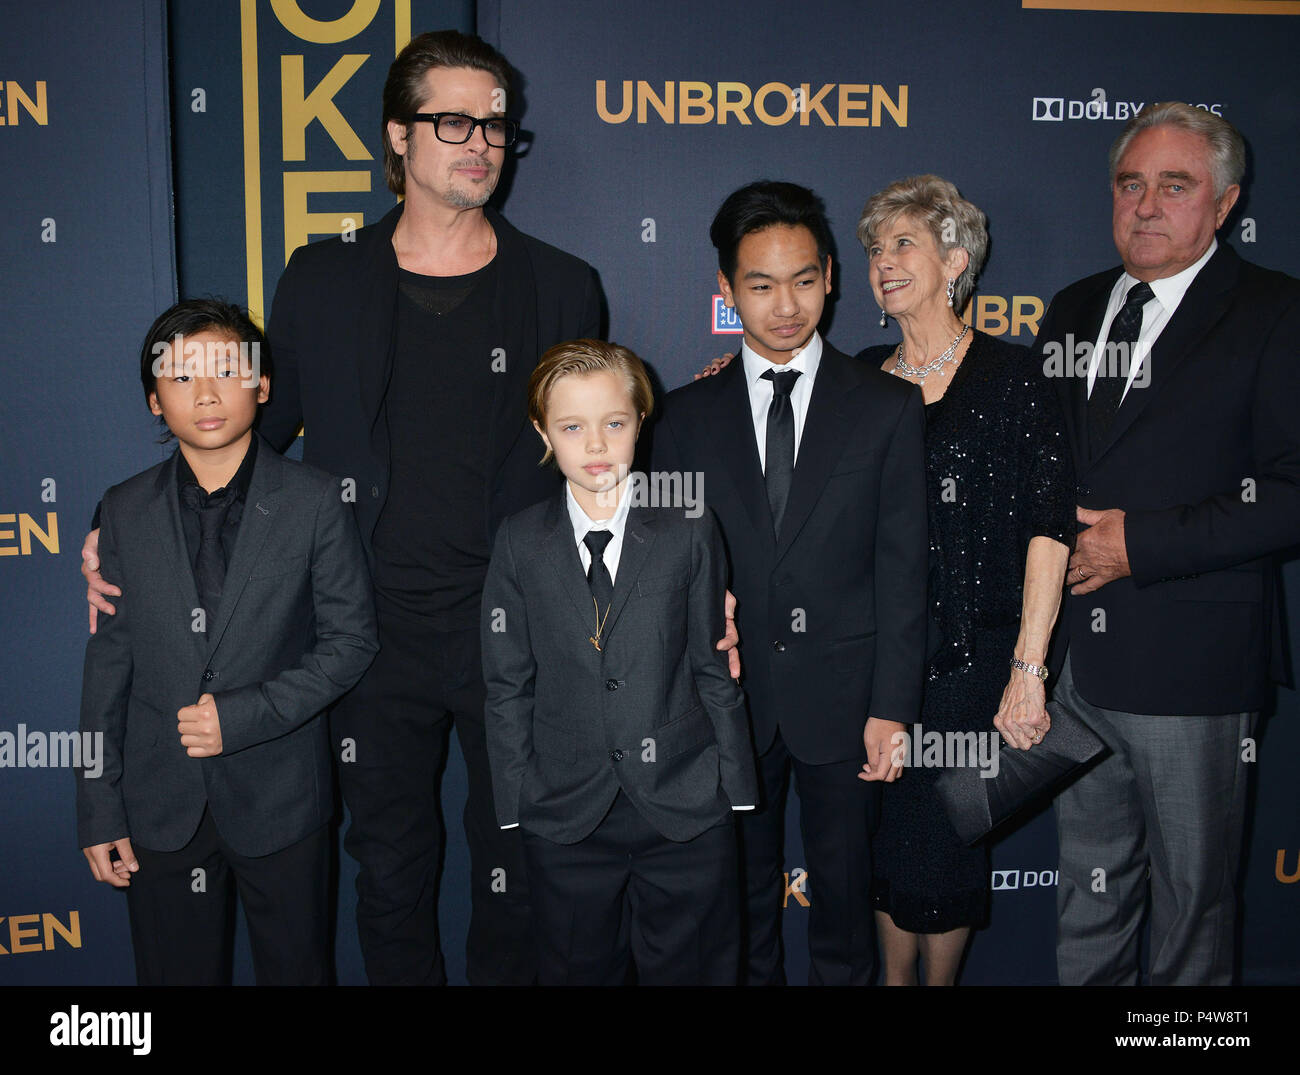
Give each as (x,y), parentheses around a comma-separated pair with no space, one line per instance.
(813,464)
(246,610)
(617,737)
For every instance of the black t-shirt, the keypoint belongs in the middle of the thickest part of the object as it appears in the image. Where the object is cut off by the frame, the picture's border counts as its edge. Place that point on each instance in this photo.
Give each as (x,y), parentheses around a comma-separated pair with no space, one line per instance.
(431,541)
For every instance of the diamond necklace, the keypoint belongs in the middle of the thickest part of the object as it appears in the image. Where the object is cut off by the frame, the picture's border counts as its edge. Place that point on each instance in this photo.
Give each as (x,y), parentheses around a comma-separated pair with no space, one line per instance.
(922,372)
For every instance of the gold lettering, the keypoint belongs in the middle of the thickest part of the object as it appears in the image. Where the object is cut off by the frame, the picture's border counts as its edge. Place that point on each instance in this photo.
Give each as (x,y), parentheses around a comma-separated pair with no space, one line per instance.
(644,95)
(71,933)
(814,104)
(760,105)
(602,108)
(325,31)
(729,107)
(299,224)
(39,109)
(880,100)
(695,103)
(17,934)
(49,537)
(853,98)
(298,110)
(1026,312)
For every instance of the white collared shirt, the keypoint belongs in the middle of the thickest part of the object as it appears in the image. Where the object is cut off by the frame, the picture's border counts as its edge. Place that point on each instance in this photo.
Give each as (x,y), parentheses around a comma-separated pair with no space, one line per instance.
(761,390)
(1156,313)
(616,524)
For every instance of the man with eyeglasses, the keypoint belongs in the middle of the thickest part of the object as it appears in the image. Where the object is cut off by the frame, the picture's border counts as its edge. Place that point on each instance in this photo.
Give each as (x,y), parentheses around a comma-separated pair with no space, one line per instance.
(407,352)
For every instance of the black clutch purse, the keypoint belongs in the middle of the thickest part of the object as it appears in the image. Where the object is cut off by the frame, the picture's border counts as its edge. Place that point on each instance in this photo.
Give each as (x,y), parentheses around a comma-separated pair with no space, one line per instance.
(976,805)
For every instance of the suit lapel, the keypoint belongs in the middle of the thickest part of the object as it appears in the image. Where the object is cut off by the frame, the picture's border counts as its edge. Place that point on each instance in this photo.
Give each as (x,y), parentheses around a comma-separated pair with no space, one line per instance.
(562,553)
(376,323)
(733,440)
(825,429)
(165,519)
(514,313)
(638,538)
(1206,301)
(260,506)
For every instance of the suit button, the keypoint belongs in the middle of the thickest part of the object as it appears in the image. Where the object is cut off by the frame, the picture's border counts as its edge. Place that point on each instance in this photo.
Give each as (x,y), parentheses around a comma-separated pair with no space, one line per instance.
(779,647)
(611,684)
(615,755)
(209,675)
(374,490)
(1084,490)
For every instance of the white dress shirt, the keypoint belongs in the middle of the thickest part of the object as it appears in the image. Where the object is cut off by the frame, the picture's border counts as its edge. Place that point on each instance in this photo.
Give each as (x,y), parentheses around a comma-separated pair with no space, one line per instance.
(1156,313)
(761,390)
(616,524)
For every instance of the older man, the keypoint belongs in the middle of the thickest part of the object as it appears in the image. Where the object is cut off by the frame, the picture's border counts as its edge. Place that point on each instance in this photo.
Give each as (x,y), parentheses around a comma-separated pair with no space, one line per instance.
(1188,460)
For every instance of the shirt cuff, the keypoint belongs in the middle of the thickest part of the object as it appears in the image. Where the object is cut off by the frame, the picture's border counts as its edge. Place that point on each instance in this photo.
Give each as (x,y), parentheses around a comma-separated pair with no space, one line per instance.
(514,826)
(749,807)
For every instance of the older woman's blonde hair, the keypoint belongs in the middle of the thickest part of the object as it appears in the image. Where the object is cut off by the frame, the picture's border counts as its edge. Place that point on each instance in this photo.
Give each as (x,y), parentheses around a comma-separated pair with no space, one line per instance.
(952,220)
(587,356)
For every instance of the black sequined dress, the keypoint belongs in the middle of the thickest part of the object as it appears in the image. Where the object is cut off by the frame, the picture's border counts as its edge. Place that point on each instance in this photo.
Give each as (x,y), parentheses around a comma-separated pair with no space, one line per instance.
(998,472)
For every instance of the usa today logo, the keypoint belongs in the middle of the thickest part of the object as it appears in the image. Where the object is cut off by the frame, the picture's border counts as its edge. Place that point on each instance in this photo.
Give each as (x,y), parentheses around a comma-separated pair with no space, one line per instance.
(1097,107)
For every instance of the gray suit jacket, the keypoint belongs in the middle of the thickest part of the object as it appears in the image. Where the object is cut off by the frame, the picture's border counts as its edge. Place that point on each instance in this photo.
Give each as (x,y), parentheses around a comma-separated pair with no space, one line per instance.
(655,712)
(295,630)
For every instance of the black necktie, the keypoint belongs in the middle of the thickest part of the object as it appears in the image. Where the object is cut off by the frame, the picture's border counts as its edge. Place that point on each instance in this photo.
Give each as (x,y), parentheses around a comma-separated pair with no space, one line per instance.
(602,586)
(1112,375)
(210,567)
(779,464)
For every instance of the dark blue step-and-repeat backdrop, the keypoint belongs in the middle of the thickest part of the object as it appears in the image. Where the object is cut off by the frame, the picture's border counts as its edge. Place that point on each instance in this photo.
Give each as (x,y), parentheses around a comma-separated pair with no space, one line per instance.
(258,120)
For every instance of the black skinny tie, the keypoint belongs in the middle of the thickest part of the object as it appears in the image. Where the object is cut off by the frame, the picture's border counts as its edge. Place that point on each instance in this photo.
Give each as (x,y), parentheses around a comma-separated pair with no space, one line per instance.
(779,469)
(602,586)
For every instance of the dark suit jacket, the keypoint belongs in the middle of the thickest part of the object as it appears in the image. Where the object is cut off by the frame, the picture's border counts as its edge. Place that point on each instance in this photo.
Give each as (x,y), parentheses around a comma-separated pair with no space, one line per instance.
(832,614)
(655,712)
(1205,462)
(296,628)
(332,340)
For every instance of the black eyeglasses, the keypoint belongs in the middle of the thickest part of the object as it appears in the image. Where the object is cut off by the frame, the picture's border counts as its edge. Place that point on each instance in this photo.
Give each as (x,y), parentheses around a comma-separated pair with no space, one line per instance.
(457,129)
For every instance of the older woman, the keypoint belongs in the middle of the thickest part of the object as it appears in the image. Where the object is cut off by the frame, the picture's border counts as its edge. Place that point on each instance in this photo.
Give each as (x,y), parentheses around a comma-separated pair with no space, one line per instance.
(1001,516)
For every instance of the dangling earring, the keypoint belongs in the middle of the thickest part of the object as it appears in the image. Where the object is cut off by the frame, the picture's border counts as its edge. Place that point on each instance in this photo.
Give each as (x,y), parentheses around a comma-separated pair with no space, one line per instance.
(883,317)
(952,286)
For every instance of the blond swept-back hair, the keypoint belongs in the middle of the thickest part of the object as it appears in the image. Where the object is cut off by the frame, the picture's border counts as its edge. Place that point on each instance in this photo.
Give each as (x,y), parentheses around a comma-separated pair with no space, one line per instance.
(587,356)
(950,218)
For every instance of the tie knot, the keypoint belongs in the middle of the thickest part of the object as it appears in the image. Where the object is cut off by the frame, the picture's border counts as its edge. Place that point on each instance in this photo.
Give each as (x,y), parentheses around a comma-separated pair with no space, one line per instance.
(596,541)
(782,382)
(1139,295)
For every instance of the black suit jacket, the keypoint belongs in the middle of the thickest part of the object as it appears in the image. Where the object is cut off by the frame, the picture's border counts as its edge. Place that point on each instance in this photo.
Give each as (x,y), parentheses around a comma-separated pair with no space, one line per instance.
(332,340)
(296,628)
(1205,462)
(832,614)
(654,711)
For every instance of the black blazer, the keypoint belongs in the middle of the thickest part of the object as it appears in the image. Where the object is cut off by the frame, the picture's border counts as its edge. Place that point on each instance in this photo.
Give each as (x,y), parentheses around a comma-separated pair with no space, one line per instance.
(1205,462)
(296,628)
(332,340)
(832,615)
(654,711)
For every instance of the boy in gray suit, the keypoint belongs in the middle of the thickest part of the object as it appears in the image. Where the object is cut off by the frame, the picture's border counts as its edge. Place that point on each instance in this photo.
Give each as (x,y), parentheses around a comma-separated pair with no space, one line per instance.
(618,740)
(245,611)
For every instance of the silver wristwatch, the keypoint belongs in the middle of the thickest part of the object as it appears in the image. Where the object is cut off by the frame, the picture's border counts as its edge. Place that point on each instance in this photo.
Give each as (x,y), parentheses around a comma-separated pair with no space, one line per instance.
(1032,669)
